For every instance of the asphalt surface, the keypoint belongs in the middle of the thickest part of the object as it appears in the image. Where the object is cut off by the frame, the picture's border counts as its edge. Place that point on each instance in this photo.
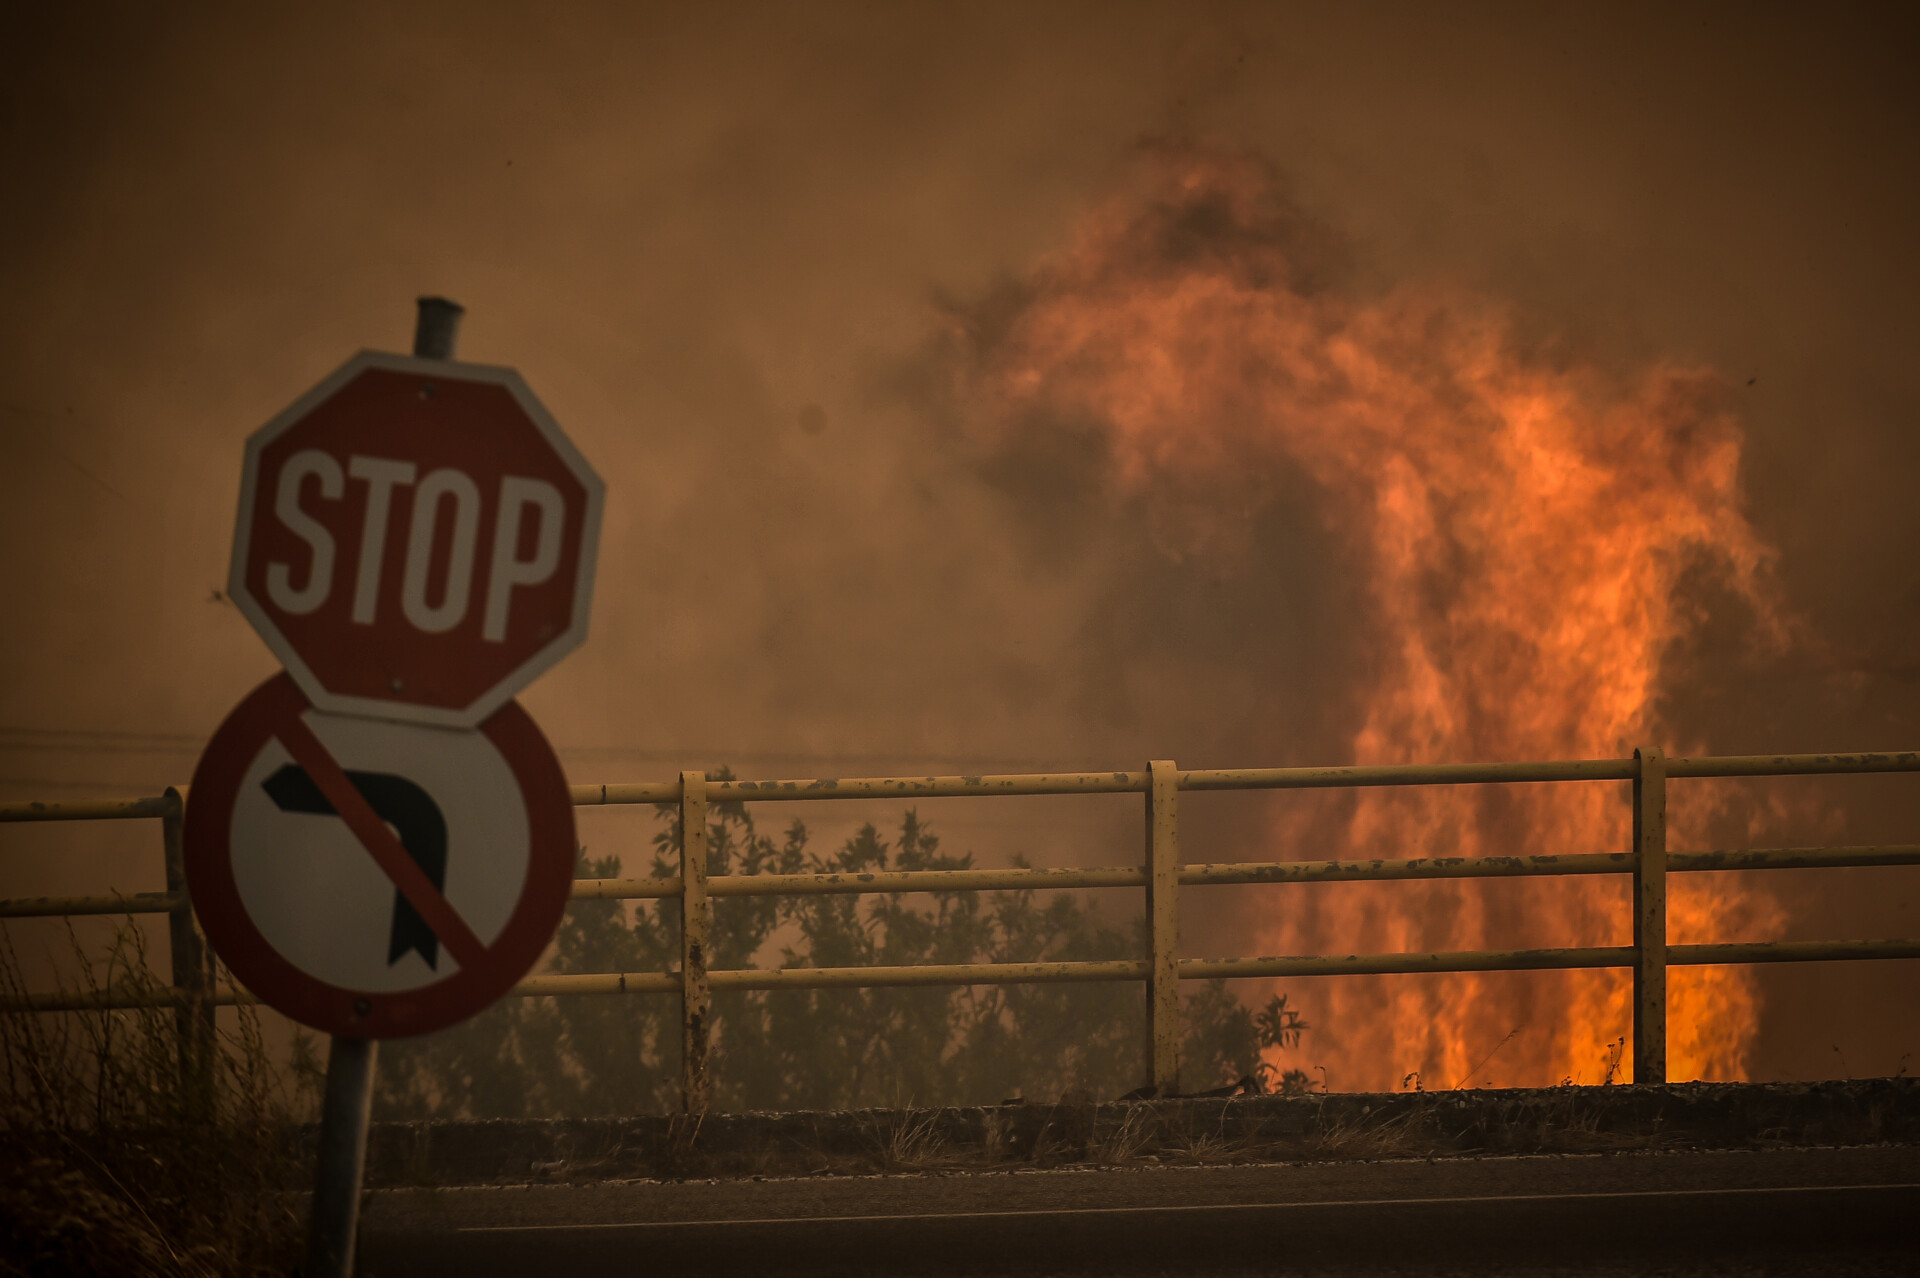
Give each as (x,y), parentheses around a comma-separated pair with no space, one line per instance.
(1787,1211)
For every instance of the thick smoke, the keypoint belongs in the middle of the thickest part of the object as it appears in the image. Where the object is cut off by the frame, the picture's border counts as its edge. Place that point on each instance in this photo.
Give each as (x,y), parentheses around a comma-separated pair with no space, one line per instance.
(709,240)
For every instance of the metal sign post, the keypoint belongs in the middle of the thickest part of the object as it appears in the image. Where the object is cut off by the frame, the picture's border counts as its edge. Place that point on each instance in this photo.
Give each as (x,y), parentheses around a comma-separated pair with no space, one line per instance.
(348,1106)
(343,1157)
(380,841)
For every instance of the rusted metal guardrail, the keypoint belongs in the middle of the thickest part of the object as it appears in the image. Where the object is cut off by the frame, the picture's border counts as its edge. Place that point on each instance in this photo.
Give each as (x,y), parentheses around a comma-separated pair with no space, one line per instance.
(1162,875)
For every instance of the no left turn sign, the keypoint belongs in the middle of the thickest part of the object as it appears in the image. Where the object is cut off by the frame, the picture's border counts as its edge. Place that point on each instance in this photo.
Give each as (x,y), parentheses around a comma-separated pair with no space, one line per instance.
(376,879)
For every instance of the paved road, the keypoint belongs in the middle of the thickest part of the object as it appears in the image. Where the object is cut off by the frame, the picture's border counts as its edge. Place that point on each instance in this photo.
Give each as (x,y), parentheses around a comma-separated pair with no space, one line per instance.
(1852,1212)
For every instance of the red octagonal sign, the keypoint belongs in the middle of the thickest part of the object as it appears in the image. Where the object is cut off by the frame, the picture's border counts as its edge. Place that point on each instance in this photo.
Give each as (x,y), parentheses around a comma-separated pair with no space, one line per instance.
(416,539)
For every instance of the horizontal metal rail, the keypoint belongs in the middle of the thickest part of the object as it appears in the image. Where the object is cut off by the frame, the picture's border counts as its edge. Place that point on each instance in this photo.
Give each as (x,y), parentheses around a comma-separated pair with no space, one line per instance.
(889,881)
(1796,858)
(130,903)
(1649,863)
(1794,765)
(1791,951)
(876,882)
(1119,782)
(1491,867)
(1021,880)
(119,999)
(1544,960)
(160,805)
(949,974)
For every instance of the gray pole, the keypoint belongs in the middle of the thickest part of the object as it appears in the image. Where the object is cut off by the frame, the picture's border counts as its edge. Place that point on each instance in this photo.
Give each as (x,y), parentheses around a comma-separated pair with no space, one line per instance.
(438,328)
(351,1061)
(343,1158)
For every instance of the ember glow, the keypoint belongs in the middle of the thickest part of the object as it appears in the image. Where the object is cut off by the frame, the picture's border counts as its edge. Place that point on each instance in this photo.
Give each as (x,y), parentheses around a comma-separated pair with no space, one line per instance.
(1533,534)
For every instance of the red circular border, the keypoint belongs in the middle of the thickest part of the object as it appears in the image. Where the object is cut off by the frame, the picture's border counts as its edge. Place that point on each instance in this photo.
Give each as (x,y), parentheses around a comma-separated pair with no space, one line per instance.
(360,1013)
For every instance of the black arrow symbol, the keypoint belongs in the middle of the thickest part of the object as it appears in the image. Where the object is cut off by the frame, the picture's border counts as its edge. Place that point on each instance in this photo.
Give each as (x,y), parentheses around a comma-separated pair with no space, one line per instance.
(414,816)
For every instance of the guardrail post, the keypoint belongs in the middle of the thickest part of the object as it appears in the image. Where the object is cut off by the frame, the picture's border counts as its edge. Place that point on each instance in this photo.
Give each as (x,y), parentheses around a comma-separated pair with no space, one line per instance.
(1163,925)
(190,961)
(1650,917)
(696,992)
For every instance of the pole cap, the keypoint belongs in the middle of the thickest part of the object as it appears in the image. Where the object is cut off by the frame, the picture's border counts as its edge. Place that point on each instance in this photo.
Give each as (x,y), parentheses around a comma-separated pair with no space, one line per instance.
(437,330)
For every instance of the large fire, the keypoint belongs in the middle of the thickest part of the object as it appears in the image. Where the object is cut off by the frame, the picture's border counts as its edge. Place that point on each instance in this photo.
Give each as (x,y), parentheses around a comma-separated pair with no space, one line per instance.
(1528,529)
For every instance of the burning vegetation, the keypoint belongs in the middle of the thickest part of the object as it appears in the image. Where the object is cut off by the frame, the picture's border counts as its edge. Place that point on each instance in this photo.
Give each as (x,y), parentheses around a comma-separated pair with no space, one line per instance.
(1531,537)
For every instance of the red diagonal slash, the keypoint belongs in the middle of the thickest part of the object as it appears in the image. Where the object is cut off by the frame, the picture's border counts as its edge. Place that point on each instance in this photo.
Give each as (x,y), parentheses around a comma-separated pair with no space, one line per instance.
(410,880)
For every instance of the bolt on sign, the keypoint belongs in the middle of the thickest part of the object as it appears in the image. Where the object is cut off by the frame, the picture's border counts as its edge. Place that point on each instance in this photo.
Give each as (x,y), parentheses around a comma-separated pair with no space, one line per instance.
(380,842)
(416,540)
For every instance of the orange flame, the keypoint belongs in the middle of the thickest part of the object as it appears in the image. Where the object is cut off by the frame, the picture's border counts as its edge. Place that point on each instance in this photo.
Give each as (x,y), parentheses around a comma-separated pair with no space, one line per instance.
(1525,529)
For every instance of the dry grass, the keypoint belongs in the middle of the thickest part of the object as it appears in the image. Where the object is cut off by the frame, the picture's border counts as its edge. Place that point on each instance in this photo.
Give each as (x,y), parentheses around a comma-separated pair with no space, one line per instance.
(1137,1136)
(144,1141)
(908,1140)
(1408,1133)
(1073,1132)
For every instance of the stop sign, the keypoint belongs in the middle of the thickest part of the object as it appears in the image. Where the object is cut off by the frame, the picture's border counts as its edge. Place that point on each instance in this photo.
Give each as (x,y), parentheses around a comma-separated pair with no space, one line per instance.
(416,539)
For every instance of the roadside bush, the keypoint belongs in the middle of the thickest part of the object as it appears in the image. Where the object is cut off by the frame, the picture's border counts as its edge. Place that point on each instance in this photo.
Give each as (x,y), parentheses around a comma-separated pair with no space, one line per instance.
(146,1141)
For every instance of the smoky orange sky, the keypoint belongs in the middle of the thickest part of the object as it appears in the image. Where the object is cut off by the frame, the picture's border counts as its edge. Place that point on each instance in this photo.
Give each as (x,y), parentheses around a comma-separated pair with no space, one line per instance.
(795,278)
